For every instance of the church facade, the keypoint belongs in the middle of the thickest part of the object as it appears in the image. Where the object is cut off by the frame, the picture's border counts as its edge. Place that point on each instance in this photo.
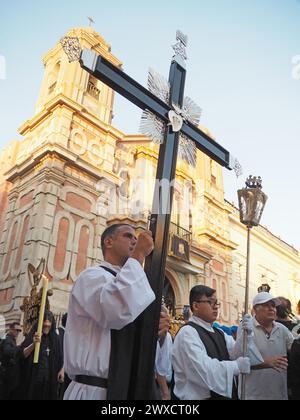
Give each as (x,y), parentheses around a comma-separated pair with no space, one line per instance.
(74,172)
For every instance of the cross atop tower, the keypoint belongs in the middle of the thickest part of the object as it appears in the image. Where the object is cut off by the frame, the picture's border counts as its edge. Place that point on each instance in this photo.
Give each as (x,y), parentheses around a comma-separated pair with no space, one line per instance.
(91,21)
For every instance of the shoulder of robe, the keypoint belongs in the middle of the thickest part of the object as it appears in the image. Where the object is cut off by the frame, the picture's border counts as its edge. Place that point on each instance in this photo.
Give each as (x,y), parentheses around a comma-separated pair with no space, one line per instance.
(187,331)
(91,273)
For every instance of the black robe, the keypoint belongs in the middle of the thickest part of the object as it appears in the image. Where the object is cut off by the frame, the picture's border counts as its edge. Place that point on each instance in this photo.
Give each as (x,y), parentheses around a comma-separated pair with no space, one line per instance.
(11,375)
(40,380)
(294,370)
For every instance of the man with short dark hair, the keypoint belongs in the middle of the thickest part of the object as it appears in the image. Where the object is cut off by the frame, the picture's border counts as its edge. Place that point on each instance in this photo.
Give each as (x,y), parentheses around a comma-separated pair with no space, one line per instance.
(11,356)
(283,312)
(103,299)
(202,363)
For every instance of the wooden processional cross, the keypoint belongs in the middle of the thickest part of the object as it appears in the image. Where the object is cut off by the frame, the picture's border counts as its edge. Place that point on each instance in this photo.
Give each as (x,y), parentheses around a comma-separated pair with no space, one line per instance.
(169,119)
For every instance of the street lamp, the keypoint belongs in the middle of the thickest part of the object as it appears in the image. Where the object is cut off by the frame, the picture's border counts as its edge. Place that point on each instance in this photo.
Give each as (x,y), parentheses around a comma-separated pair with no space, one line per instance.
(252,202)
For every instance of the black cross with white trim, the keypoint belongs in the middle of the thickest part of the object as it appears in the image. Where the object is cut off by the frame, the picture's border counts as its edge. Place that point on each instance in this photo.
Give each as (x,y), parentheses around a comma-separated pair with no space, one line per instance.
(138,380)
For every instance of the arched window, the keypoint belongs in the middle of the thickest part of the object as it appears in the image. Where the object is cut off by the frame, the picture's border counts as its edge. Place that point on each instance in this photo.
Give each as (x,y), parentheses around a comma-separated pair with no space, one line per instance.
(53,77)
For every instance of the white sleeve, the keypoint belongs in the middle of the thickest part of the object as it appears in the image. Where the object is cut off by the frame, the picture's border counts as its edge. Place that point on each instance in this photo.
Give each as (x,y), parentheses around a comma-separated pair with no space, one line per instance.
(252,351)
(113,302)
(190,356)
(230,344)
(163,358)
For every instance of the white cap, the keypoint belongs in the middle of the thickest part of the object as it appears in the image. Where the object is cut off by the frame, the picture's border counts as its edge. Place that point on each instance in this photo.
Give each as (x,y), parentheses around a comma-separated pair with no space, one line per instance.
(264,297)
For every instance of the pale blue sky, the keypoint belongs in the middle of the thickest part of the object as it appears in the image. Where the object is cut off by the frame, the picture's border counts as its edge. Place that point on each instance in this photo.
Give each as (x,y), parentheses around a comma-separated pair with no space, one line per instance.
(239,72)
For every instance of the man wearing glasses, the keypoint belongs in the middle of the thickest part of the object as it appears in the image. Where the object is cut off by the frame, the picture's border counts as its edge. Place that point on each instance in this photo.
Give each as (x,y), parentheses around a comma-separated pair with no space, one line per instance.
(11,354)
(202,354)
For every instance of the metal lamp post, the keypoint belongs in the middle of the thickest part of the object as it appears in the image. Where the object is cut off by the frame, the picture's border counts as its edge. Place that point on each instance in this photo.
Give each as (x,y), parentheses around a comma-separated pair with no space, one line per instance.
(252,202)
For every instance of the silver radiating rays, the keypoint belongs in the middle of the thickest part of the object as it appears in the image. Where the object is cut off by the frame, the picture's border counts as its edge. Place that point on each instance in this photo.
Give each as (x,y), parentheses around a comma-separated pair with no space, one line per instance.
(158,85)
(191,111)
(151,125)
(187,150)
(154,128)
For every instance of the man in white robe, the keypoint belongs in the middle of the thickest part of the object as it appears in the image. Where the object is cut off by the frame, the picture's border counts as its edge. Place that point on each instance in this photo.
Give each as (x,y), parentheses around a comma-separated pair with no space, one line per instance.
(101,302)
(202,366)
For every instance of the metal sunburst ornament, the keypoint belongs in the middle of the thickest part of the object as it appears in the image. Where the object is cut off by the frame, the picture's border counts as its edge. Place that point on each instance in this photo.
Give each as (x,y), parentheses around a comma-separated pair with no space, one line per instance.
(154,127)
(191,111)
(187,150)
(158,85)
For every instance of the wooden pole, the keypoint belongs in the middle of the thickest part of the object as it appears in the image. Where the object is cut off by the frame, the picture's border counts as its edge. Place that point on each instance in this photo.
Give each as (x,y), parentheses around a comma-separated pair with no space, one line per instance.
(41,319)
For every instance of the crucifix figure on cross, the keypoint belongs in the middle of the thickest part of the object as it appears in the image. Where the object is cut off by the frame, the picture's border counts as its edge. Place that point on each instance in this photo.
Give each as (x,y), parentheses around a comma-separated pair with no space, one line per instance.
(171,120)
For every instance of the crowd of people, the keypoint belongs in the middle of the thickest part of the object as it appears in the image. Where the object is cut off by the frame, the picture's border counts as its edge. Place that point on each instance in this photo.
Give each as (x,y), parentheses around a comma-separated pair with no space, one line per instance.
(205,361)
(21,379)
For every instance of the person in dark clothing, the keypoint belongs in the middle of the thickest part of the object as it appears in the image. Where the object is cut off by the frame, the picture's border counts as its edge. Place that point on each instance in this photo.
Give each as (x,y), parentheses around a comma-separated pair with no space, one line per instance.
(41,380)
(10,365)
(61,333)
(284,315)
(283,311)
(294,379)
(61,330)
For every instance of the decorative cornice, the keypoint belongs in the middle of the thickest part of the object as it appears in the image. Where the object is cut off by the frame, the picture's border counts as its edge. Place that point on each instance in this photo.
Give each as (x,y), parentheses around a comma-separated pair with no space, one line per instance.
(183,267)
(61,101)
(217,203)
(56,152)
(206,234)
(138,139)
(197,252)
(147,153)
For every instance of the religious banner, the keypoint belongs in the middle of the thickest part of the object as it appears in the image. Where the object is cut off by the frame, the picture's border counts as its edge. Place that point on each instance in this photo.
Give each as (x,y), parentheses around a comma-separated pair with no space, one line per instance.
(32,303)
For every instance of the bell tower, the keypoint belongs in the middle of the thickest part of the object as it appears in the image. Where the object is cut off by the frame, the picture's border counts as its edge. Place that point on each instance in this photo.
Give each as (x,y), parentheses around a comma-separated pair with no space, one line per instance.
(69,81)
(50,197)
